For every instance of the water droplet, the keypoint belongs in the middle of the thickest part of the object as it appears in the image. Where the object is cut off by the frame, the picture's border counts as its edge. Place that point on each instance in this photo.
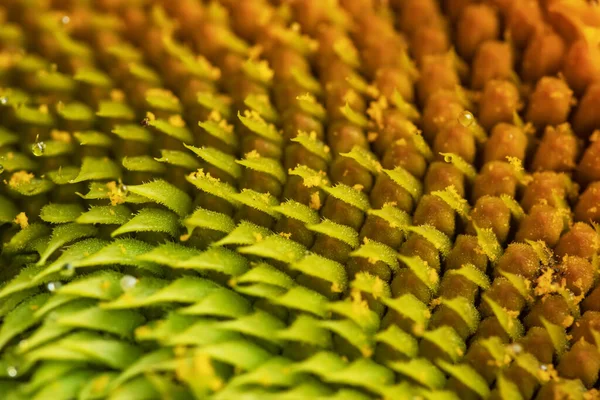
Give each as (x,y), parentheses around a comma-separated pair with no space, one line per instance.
(53,286)
(128,282)
(68,270)
(38,148)
(65,19)
(12,371)
(544,367)
(3,100)
(123,189)
(466,119)
(516,348)
(23,344)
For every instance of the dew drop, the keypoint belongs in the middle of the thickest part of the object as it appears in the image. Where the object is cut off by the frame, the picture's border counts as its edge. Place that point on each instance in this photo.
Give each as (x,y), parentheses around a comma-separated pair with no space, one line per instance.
(12,371)
(38,148)
(516,348)
(3,100)
(123,189)
(53,286)
(466,119)
(128,282)
(68,270)
(544,367)
(65,19)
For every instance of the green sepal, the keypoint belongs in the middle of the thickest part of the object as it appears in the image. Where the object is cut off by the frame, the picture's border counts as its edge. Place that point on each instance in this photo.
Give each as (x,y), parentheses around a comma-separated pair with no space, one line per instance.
(372,284)
(223,161)
(71,255)
(93,77)
(13,162)
(178,159)
(558,336)
(399,340)
(201,333)
(21,318)
(213,101)
(136,296)
(263,202)
(423,271)
(180,133)
(323,268)
(364,373)
(406,181)
(266,165)
(143,164)
(306,329)
(133,132)
(117,322)
(88,347)
(410,307)
(245,234)
(106,215)
(217,259)
(114,109)
(96,168)
(63,234)
(254,122)
(220,131)
(258,70)
(213,186)
(465,310)
(264,273)
(440,241)
(374,251)
(311,106)
(169,253)
(511,325)
(242,354)
(446,338)
(358,312)
(222,303)
(311,143)
(259,324)
(101,285)
(33,187)
(298,211)
(349,195)
(473,274)
(24,237)
(8,211)
(120,252)
(76,111)
(273,373)
(343,233)
(276,247)
(58,213)
(463,166)
(488,242)
(303,299)
(166,194)
(468,376)
(421,371)
(262,105)
(207,219)
(354,116)
(364,158)
(163,100)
